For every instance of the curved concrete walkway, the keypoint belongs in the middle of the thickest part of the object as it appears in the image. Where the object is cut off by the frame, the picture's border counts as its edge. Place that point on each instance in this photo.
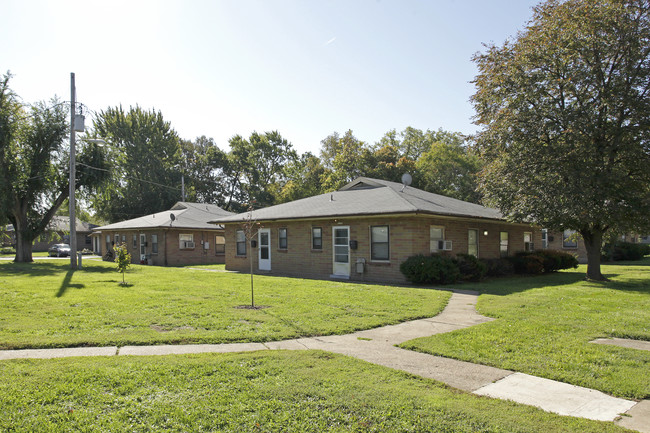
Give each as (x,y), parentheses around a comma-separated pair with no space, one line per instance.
(378,346)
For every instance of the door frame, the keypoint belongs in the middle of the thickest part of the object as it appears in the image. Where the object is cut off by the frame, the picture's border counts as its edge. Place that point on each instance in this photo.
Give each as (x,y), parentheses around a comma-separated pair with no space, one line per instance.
(340,269)
(263,264)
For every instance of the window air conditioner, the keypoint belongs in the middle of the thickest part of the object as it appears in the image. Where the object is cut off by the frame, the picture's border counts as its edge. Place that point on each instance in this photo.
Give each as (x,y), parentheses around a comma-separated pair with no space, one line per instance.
(441,245)
(529,246)
(188,244)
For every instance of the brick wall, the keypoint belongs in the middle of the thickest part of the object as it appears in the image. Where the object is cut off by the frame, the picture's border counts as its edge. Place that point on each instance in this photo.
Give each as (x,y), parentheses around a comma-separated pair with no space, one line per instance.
(169,252)
(407,236)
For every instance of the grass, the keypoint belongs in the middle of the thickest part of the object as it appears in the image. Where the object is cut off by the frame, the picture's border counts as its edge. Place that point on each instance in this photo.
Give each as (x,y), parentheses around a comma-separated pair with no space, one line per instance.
(545,325)
(285,391)
(45,304)
(34,254)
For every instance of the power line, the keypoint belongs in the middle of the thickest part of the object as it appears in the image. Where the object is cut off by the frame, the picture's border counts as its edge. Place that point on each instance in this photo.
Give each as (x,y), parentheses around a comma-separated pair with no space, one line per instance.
(130,177)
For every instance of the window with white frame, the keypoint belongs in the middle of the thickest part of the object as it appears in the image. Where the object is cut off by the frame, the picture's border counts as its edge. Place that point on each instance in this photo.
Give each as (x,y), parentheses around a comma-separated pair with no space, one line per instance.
(240,239)
(108,242)
(503,244)
(282,238)
(316,238)
(436,238)
(528,242)
(186,241)
(143,244)
(569,239)
(135,241)
(154,244)
(544,238)
(219,244)
(117,240)
(379,243)
(472,242)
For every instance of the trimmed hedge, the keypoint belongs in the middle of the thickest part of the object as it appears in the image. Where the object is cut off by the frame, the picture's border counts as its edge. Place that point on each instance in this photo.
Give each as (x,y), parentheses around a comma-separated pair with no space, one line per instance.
(471,268)
(536,262)
(434,269)
(625,251)
(498,267)
(440,269)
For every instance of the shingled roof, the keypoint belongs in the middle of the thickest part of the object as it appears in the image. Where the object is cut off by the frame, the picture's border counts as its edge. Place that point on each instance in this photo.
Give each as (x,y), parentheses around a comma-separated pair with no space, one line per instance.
(187,216)
(364,197)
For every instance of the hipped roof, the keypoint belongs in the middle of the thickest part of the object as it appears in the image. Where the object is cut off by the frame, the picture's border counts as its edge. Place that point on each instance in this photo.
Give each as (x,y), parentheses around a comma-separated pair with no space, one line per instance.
(365,197)
(187,216)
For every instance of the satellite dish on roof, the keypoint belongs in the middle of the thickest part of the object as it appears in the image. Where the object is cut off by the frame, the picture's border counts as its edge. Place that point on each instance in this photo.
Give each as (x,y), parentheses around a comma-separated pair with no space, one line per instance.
(173,218)
(406,180)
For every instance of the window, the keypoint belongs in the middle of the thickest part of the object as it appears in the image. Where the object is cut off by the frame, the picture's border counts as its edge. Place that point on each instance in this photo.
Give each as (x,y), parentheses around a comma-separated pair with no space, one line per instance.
(108,242)
(379,243)
(316,238)
(154,244)
(143,244)
(544,238)
(186,241)
(472,242)
(503,244)
(569,239)
(240,238)
(124,239)
(135,241)
(219,245)
(436,238)
(528,242)
(282,239)
(117,240)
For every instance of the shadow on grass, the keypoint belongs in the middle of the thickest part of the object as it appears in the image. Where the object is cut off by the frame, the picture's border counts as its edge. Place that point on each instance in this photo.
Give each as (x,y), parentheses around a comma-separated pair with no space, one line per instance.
(65,284)
(520,283)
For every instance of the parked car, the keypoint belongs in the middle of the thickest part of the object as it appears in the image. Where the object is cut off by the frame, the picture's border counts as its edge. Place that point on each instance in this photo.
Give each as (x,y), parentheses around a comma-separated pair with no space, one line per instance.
(59,250)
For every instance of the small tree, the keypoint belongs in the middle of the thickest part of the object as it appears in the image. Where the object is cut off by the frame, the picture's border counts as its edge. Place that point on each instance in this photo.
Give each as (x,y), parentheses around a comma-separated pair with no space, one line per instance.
(250,227)
(123,259)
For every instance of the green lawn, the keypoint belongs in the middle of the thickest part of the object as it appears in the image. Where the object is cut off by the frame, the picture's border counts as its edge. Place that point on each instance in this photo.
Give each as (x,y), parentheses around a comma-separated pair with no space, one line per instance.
(545,324)
(282,391)
(44,304)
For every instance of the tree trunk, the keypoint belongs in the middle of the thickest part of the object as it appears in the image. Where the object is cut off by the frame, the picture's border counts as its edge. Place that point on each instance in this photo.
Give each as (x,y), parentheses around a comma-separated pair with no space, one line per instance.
(23,241)
(593,243)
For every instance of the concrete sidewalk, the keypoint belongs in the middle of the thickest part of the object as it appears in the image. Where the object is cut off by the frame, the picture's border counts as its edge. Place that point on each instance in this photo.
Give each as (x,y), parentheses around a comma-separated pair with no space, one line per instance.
(378,346)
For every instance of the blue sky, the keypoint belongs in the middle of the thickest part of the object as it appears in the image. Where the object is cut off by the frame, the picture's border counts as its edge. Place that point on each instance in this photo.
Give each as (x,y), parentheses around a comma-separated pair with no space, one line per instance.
(220,68)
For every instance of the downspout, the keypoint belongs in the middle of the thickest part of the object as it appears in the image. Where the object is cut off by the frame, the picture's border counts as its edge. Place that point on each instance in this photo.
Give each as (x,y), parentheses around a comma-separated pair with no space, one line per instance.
(165,240)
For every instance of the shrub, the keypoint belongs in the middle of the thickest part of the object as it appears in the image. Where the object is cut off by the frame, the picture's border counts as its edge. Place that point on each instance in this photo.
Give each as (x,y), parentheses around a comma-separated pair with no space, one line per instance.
(470,267)
(557,260)
(536,262)
(434,269)
(625,251)
(498,267)
(7,250)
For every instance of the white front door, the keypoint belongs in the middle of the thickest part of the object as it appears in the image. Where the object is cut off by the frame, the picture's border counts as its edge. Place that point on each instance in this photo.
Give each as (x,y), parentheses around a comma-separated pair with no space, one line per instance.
(264,250)
(341,251)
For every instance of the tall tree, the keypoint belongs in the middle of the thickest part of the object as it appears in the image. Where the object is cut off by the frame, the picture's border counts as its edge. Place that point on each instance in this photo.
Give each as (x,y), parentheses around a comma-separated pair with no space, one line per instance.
(147,162)
(345,158)
(206,171)
(34,166)
(449,168)
(304,178)
(565,110)
(256,167)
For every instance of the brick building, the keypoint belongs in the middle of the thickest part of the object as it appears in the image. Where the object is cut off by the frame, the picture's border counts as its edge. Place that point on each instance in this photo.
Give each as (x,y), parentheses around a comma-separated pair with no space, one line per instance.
(179,236)
(365,230)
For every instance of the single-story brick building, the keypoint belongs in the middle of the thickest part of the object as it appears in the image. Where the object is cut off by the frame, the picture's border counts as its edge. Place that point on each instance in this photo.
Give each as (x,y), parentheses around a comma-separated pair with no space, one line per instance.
(179,236)
(365,230)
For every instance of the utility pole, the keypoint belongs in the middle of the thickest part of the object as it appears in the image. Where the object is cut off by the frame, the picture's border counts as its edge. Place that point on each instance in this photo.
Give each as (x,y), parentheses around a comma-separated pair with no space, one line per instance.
(73,163)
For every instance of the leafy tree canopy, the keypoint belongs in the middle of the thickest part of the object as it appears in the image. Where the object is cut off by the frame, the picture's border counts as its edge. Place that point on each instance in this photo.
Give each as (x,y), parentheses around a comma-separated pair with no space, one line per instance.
(146,153)
(34,165)
(566,116)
